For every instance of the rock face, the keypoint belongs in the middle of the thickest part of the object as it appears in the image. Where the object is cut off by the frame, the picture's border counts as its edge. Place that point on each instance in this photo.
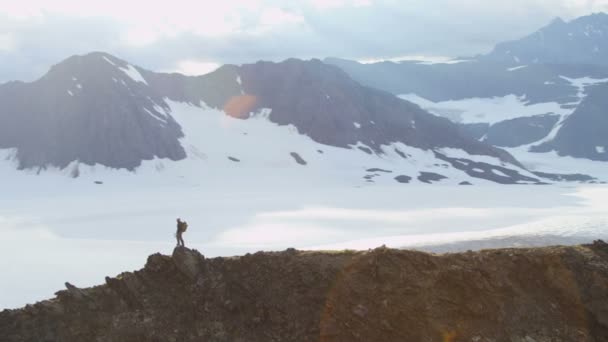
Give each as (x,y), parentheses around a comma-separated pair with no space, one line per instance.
(545,294)
(91,109)
(584,133)
(324,103)
(472,79)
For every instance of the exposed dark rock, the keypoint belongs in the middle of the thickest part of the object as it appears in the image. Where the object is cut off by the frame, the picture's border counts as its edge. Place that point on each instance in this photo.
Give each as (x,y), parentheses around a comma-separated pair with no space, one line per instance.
(400,153)
(298,159)
(577,177)
(403,179)
(379,170)
(365,149)
(542,294)
(465,183)
(430,177)
(236,160)
(87,110)
(487,171)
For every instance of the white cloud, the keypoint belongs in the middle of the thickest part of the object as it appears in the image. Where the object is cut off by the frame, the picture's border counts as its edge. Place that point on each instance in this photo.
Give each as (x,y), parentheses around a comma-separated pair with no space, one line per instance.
(273,18)
(195,67)
(190,34)
(333,4)
(7,42)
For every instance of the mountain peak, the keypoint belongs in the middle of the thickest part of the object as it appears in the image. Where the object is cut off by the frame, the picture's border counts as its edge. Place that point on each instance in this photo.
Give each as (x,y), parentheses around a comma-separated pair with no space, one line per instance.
(581,41)
(557,21)
(92,59)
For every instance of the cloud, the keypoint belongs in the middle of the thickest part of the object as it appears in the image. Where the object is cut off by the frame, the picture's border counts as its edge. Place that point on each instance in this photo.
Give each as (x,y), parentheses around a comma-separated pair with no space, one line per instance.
(189,34)
(194,67)
(7,42)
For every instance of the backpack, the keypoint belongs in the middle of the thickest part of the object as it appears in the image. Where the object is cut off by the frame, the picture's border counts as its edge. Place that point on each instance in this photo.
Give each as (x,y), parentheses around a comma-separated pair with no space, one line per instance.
(183,226)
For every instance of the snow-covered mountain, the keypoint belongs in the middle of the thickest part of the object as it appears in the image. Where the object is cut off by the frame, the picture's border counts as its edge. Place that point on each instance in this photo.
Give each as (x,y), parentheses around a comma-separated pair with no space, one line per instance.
(530,105)
(97,112)
(580,41)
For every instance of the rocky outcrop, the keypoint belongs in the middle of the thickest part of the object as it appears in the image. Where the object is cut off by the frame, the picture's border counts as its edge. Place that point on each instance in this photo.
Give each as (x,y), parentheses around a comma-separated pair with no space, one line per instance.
(544,294)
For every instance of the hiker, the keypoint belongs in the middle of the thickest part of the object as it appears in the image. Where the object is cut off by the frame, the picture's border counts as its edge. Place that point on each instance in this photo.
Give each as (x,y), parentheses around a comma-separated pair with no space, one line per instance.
(181,228)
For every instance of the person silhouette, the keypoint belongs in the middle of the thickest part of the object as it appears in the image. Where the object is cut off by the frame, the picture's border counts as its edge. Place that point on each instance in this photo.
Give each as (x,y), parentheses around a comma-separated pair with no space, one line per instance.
(181,228)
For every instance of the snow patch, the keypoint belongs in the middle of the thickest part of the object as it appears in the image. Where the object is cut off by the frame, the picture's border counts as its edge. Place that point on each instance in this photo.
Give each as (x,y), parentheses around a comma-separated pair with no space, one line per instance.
(357,125)
(581,84)
(600,149)
(108,60)
(485,110)
(517,68)
(134,74)
(70,93)
(551,162)
(157,115)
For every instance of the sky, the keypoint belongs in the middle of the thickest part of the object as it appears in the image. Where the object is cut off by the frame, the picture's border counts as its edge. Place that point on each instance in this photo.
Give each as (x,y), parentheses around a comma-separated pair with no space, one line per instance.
(196,36)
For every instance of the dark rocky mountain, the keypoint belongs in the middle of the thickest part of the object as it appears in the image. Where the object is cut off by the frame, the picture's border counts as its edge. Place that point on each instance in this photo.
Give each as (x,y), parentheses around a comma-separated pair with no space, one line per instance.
(470,79)
(513,132)
(98,109)
(580,41)
(87,109)
(584,134)
(542,294)
(575,49)
(328,106)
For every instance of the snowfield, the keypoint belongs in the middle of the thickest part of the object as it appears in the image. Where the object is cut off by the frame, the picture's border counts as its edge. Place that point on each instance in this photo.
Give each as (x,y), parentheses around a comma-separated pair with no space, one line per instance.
(219,146)
(486,110)
(78,231)
(243,189)
(497,109)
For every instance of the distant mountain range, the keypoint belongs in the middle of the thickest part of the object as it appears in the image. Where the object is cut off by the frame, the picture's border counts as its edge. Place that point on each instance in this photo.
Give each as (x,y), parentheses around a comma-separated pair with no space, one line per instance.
(99,111)
(541,93)
(580,41)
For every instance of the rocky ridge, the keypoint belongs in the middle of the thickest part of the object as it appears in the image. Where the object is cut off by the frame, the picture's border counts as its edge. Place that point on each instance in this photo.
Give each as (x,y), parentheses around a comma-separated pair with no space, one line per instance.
(539,294)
